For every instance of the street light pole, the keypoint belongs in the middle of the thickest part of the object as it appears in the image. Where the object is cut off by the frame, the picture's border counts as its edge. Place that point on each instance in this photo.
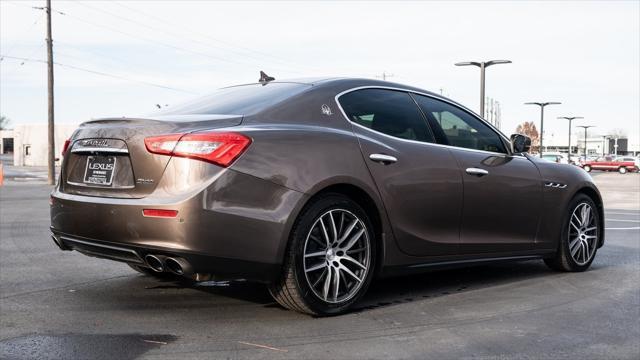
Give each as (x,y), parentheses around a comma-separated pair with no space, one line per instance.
(482,65)
(585,127)
(570,118)
(542,105)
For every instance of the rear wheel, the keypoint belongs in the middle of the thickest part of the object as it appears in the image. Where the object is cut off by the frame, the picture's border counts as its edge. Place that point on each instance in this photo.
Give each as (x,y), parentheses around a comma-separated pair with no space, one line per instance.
(622,170)
(579,238)
(330,260)
(587,168)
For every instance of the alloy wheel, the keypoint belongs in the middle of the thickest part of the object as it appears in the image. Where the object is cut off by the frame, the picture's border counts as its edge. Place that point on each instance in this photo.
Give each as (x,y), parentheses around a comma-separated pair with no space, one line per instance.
(337,256)
(583,233)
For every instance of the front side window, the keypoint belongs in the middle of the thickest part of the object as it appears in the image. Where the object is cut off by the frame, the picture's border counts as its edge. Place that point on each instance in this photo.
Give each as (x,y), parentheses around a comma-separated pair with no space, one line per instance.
(456,127)
(387,111)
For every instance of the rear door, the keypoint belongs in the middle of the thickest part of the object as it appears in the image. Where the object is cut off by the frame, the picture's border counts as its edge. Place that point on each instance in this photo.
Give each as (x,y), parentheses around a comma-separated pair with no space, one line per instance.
(419,182)
(502,192)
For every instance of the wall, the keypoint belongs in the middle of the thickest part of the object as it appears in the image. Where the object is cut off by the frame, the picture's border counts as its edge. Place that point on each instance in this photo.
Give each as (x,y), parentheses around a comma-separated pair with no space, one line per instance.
(34,136)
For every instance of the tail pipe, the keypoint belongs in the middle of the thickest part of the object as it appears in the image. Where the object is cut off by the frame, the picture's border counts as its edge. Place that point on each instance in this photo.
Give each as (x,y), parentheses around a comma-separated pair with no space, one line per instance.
(155,262)
(59,243)
(178,266)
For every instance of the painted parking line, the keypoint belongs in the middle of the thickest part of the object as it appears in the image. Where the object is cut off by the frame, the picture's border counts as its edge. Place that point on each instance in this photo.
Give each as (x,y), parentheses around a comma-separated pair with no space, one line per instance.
(620,220)
(629,228)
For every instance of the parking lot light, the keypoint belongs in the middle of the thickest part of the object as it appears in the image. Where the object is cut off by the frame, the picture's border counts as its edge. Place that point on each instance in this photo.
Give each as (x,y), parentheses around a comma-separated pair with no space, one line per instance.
(570,118)
(542,105)
(482,65)
(585,127)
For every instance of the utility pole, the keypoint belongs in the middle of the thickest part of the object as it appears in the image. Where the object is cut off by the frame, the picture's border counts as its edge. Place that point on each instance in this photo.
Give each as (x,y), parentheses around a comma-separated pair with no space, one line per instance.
(51,151)
(482,65)
(570,118)
(542,105)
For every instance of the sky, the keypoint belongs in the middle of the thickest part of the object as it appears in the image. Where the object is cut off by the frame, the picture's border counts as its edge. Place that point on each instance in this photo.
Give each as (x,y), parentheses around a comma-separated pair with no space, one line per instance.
(124,57)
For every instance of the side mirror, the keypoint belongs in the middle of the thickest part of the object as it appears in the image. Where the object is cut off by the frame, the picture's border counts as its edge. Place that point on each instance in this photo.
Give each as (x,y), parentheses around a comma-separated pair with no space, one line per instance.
(520,143)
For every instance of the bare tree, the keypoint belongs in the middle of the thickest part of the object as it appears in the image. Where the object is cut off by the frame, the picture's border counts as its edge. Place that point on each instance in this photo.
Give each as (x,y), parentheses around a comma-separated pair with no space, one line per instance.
(528,128)
(4,122)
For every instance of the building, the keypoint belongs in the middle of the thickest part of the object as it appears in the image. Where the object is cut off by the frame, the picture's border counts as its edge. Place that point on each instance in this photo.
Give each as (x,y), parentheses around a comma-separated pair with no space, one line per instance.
(6,142)
(30,143)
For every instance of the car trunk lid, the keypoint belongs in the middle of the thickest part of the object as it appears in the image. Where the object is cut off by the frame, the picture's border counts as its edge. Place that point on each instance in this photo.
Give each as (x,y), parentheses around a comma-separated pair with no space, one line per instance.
(108,158)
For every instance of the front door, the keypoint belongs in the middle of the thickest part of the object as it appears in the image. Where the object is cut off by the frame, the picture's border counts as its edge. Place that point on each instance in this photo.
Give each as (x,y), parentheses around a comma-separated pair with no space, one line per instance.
(502,191)
(419,182)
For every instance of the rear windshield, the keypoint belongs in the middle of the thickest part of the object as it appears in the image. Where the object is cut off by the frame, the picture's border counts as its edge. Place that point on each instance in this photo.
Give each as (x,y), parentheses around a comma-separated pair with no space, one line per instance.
(237,100)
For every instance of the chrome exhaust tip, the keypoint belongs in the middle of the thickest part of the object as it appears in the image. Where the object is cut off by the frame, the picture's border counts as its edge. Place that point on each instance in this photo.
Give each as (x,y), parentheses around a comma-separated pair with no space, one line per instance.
(178,266)
(155,262)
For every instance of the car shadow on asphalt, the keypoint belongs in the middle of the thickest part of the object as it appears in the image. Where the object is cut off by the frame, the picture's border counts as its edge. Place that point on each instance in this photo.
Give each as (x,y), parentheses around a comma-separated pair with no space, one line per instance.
(390,291)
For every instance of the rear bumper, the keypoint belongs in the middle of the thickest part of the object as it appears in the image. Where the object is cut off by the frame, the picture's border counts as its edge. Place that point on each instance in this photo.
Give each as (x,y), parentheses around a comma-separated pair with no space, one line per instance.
(219,268)
(236,226)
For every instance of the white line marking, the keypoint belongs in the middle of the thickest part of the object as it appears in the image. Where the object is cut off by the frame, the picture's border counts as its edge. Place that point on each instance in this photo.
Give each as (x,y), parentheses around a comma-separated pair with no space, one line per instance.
(620,220)
(620,213)
(631,228)
(262,346)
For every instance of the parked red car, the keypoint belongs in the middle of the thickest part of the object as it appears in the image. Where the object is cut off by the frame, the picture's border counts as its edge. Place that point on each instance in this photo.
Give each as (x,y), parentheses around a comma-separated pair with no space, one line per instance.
(612,163)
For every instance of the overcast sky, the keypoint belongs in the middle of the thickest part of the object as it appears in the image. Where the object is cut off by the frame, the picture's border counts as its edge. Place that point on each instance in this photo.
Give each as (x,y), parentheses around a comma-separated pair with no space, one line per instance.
(584,54)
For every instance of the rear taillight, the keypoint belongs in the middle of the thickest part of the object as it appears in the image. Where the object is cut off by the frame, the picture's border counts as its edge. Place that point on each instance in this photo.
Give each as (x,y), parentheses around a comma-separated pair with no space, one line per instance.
(220,148)
(65,147)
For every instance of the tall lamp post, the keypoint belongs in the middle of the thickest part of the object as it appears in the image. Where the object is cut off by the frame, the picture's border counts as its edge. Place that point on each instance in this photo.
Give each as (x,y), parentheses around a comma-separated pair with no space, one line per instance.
(585,127)
(570,118)
(542,105)
(482,65)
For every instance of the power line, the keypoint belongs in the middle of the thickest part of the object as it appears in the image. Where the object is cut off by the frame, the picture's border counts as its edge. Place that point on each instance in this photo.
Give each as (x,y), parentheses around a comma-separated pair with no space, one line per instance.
(226,43)
(26,31)
(120,77)
(163,30)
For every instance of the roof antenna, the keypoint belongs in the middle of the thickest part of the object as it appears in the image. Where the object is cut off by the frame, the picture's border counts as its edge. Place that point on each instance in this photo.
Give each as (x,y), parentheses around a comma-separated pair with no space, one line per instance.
(264,78)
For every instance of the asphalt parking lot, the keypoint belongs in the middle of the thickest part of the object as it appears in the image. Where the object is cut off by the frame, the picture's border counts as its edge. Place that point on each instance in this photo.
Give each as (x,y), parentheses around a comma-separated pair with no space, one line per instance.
(57,304)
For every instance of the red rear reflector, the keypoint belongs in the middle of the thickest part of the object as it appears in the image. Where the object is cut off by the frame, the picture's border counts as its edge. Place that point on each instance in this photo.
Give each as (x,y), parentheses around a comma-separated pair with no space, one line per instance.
(160,213)
(220,148)
(66,146)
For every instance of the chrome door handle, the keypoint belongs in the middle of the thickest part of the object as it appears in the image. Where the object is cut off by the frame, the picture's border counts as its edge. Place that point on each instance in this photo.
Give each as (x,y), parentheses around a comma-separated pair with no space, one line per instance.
(382,158)
(476,171)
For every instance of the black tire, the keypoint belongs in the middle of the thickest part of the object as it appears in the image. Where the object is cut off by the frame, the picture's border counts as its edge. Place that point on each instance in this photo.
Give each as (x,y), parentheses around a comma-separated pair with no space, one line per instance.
(563,260)
(622,170)
(147,271)
(293,289)
(587,168)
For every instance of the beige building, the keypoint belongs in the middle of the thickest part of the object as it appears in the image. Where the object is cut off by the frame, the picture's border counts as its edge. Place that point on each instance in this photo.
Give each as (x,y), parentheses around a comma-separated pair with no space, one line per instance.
(30,143)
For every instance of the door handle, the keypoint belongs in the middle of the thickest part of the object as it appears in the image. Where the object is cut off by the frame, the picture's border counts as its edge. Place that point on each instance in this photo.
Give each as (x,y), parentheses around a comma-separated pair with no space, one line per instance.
(382,158)
(476,171)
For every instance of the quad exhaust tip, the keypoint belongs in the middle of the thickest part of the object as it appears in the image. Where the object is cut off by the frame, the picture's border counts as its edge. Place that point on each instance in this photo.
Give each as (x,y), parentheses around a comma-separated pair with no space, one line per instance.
(178,266)
(155,262)
(161,263)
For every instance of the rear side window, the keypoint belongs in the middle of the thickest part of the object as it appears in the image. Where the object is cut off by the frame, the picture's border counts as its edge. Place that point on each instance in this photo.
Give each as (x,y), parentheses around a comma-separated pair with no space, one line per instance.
(238,100)
(387,111)
(456,127)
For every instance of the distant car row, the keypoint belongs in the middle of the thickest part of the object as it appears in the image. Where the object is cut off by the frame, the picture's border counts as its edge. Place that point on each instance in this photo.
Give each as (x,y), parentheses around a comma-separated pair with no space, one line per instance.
(622,164)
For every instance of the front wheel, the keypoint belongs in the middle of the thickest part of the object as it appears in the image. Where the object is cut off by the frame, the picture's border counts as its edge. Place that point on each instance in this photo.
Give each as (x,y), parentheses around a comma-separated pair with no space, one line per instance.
(587,168)
(580,235)
(330,260)
(622,170)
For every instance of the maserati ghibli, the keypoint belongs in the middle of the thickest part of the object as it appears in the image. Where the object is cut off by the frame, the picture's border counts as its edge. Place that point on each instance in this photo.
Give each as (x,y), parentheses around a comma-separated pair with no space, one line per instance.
(316,187)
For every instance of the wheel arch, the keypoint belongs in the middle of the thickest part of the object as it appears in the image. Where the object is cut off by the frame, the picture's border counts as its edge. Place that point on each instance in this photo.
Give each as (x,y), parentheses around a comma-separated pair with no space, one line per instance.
(364,197)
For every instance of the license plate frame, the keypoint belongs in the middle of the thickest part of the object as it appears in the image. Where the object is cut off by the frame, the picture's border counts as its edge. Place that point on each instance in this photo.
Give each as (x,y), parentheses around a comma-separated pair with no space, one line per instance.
(99,170)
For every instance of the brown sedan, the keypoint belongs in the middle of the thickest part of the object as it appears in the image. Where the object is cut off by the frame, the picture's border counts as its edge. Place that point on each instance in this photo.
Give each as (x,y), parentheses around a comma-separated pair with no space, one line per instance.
(316,187)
